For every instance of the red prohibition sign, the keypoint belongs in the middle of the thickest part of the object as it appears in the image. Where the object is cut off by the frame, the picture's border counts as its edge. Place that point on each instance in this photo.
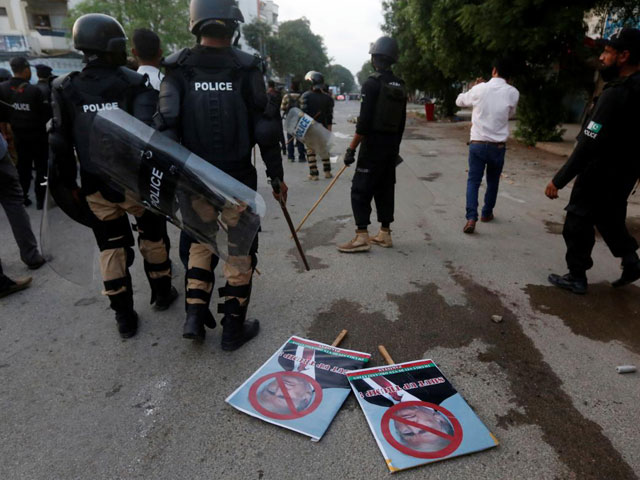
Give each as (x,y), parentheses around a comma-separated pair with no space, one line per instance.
(454,440)
(293,412)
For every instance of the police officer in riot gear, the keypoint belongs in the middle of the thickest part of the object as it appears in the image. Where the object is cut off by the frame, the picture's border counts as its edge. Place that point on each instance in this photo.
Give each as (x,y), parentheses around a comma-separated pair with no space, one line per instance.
(45,78)
(319,106)
(25,108)
(214,102)
(289,101)
(76,98)
(378,133)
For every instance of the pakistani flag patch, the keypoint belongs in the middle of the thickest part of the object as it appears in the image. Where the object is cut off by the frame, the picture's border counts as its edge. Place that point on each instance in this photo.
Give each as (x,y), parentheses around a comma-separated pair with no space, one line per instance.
(594,127)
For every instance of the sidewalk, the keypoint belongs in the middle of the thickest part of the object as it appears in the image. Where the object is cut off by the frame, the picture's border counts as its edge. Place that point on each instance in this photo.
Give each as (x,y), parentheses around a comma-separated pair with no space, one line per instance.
(565,147)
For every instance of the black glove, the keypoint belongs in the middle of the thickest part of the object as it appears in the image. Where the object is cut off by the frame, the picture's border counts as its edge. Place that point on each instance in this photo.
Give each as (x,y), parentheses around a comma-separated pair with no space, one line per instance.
(350,156)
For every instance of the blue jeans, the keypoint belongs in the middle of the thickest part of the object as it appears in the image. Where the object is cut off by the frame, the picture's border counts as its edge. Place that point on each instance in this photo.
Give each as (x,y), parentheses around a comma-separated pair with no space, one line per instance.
(483,156)
(290,148)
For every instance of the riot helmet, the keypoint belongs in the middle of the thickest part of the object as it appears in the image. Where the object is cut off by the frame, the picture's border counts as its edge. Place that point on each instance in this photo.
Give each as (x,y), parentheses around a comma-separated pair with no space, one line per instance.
(96,32)
(5,74)
(386,47)
(206,12)
(316,79)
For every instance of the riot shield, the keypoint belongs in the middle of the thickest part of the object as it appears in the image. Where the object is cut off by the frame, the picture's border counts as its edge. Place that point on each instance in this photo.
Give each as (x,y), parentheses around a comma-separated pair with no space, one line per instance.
(309,132)
(146,165)
(67,243)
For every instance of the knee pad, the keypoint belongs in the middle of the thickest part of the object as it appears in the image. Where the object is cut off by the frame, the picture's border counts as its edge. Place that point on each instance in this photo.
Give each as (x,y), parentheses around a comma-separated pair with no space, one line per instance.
(114,234)
(152,227)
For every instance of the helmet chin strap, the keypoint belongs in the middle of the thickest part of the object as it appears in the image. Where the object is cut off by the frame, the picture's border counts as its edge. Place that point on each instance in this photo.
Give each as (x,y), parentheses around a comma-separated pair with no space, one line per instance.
(236,42)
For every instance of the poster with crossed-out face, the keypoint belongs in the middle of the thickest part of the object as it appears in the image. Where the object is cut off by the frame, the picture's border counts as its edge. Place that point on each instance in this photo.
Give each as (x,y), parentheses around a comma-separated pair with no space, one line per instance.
(301,387)
(416,416)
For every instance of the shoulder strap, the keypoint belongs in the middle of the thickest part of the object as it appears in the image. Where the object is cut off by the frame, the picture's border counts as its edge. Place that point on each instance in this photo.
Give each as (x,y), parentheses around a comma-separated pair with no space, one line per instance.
(177,58)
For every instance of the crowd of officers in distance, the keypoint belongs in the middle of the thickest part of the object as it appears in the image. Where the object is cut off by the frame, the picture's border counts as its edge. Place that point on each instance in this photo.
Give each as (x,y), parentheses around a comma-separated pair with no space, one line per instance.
(223,126)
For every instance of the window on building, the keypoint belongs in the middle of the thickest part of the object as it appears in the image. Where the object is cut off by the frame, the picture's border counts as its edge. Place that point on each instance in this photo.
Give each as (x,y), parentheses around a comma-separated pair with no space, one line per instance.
(41,21)
(3,12)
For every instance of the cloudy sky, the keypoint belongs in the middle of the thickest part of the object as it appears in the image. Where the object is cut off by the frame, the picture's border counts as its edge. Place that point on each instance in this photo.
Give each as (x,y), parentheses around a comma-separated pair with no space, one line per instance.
(347,26)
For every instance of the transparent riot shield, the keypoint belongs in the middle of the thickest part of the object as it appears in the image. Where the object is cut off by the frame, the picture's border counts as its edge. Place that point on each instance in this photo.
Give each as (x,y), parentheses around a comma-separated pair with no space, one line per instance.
(67,244)
(309,132)
(150,168)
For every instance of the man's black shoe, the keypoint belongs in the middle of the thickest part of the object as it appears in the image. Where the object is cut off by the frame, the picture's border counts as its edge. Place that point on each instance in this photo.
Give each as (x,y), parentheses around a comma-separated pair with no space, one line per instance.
(630,274)
(40,261)
(127,323)
(569,282)
(163,303)
(14,286)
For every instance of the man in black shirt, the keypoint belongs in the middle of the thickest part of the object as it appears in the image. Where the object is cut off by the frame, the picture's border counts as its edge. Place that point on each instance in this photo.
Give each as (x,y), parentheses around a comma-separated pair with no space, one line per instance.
(380,127)
(25,108)
(605,162)
(319,106)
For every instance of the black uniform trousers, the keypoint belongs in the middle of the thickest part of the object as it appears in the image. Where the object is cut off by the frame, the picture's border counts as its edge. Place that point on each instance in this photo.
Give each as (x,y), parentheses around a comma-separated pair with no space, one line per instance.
(32,147)
(579,236)
(375,179)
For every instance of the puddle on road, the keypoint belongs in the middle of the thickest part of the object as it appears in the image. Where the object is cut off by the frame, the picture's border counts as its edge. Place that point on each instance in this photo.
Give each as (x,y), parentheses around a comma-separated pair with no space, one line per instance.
(427,321)
(320,234)
(604,314)
(432,177)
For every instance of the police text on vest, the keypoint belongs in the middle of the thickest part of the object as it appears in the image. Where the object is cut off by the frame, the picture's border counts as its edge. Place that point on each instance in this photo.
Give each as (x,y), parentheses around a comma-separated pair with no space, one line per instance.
(214,86)
(99,107)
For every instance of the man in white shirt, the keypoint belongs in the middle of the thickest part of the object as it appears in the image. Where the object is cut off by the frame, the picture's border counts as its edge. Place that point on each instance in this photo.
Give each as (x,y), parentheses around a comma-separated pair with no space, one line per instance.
(146,49)
(493,102)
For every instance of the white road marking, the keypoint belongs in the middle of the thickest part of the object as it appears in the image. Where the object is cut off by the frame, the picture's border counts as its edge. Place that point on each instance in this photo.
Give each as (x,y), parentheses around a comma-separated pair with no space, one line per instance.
(509,197)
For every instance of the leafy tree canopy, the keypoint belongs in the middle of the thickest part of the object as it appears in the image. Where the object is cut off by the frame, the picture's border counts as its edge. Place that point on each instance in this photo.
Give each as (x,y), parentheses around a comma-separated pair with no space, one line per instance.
(341,77)
(365,72)
(168,18)
(295,50)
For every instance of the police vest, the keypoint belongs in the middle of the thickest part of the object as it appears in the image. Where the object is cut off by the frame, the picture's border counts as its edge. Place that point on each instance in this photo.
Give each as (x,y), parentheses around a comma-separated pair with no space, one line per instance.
(215,120)
(390,107)
(24,113)
(84,95)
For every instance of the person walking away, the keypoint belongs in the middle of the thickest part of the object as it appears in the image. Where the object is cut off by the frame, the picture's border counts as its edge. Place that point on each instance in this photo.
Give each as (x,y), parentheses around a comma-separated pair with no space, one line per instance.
(493,103)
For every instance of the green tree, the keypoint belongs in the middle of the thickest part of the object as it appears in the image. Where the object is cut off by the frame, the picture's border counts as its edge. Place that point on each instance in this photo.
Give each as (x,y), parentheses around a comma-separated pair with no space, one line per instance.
(341,77)
(447,42)
(365,72)
(295,50)
(168,18)
(257,34)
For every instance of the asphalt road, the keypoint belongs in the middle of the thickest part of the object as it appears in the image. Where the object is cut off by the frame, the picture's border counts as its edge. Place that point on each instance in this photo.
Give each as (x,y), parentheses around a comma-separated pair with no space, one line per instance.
(76,402)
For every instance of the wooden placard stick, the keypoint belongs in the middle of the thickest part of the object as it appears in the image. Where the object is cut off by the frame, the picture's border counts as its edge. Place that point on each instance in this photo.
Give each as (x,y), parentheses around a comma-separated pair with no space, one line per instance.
(339,338)
(385,355)
(324,194)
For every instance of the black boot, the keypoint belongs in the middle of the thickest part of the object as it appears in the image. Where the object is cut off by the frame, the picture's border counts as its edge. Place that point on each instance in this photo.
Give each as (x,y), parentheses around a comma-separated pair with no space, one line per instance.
(236,329)
(126,316)
(630,273)
(197,317)
(163,293)
(574,283)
